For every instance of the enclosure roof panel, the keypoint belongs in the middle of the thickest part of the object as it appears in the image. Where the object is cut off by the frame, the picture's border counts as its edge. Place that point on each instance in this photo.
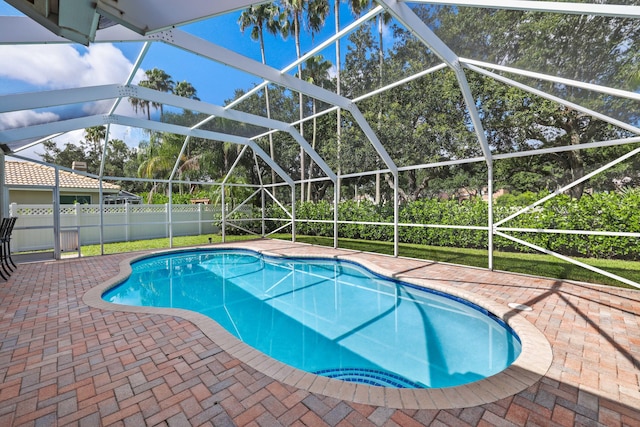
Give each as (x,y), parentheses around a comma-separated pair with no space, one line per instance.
(146,16)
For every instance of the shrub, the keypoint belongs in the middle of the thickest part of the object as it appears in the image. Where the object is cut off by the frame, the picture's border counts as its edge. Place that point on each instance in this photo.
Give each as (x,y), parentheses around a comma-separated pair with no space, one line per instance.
(606,211)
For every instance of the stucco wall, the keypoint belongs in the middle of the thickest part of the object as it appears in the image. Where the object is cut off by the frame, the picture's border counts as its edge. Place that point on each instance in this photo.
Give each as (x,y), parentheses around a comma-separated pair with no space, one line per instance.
(43,197)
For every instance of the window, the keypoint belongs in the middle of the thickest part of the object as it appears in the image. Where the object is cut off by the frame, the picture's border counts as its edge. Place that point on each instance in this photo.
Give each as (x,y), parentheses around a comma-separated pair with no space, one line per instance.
(71,200)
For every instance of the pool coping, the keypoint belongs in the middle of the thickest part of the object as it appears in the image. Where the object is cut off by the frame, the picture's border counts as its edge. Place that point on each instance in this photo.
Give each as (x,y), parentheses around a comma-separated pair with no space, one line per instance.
(531,365)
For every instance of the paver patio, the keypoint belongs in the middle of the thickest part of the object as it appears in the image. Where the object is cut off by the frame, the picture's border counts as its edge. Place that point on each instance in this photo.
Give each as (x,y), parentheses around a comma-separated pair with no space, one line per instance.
(63,362)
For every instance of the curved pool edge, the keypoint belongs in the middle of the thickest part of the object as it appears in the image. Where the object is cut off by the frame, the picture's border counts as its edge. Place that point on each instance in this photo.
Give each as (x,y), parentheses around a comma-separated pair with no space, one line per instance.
(530,366)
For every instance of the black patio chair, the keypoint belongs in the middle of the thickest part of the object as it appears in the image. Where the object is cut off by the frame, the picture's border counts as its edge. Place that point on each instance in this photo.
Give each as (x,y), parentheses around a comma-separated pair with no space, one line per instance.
(8,240)
(6,228)
(3,226)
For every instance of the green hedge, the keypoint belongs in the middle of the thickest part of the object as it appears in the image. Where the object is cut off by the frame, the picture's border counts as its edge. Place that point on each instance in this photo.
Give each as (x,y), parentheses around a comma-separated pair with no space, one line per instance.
(607,211)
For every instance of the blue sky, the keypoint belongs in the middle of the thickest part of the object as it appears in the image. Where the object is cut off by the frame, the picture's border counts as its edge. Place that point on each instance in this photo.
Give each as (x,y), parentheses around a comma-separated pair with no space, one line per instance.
(28,68)
(222,30)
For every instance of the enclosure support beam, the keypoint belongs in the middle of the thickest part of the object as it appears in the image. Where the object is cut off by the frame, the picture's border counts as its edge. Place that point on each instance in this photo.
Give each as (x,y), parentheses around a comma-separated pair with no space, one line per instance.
(233,166)
(101,207)
(170,215)
(409,19)
(473,112)
(223,223)
(262,194)
(4,192)
(490,227)
(336,203)
(56,215)
(177,163)
(396,215)
(244,202)
(293,212)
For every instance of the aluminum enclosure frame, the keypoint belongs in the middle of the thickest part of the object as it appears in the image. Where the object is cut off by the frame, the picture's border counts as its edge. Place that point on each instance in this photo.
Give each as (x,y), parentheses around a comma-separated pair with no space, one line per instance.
(138,25)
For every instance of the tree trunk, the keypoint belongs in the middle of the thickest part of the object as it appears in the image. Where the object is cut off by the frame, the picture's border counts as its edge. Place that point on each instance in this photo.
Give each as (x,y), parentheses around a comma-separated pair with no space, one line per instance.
(575,162)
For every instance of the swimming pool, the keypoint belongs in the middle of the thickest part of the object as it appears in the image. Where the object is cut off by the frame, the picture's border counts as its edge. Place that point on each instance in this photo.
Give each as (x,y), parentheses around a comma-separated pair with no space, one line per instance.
(329,317)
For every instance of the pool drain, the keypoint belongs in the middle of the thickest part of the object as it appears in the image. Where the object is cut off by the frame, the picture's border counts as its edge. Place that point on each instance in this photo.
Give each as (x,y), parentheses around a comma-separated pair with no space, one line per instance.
(369,377)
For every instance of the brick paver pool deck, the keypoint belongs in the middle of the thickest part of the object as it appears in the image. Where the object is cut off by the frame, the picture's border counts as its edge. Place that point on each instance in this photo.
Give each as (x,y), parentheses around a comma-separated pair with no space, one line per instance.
(64,362)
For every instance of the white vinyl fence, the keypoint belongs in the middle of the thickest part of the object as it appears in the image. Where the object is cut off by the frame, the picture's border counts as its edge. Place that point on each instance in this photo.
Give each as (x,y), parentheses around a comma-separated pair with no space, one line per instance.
(122,223)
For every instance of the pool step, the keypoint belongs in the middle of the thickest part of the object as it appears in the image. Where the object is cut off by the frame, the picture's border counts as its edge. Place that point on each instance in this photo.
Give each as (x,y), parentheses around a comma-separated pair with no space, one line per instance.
(368,376)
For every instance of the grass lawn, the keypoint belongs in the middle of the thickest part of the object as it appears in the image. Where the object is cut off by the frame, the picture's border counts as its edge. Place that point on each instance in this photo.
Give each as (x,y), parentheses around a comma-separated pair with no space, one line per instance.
(141,245)
(537,264)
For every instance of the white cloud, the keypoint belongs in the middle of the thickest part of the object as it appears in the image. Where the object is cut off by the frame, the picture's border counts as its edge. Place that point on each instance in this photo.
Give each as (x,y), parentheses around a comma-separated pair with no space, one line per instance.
(333,72)
(62,66)
(48,67)
(17,119)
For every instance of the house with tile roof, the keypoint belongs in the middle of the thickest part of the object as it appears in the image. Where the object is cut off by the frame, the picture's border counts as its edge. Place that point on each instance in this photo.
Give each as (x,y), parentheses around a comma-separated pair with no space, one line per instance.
(30,183)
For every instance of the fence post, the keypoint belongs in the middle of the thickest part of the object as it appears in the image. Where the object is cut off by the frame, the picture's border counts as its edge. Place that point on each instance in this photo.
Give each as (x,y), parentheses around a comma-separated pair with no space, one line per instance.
(78,214)
(200,219)
(167,218)
(224,214)
(127,218)
(490,227)
(262,193)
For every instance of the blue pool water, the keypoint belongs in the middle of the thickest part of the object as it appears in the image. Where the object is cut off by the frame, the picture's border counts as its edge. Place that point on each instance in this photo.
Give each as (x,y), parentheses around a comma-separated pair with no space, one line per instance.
(329,317)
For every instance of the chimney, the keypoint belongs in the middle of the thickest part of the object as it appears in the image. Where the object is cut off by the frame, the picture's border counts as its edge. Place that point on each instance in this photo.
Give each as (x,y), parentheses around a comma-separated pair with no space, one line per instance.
(79,166)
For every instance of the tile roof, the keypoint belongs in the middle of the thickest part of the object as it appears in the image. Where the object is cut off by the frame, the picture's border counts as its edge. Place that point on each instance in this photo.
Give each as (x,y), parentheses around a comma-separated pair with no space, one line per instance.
(28,173)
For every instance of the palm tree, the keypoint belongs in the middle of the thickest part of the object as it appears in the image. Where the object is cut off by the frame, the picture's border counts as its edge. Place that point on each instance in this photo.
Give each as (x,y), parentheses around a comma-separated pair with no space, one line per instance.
(185,90)
(94,135)
(198,165)
(141,104)
(158,163)
(316,13)
(266,16)
(158,80)
(316,71)
(232,193)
